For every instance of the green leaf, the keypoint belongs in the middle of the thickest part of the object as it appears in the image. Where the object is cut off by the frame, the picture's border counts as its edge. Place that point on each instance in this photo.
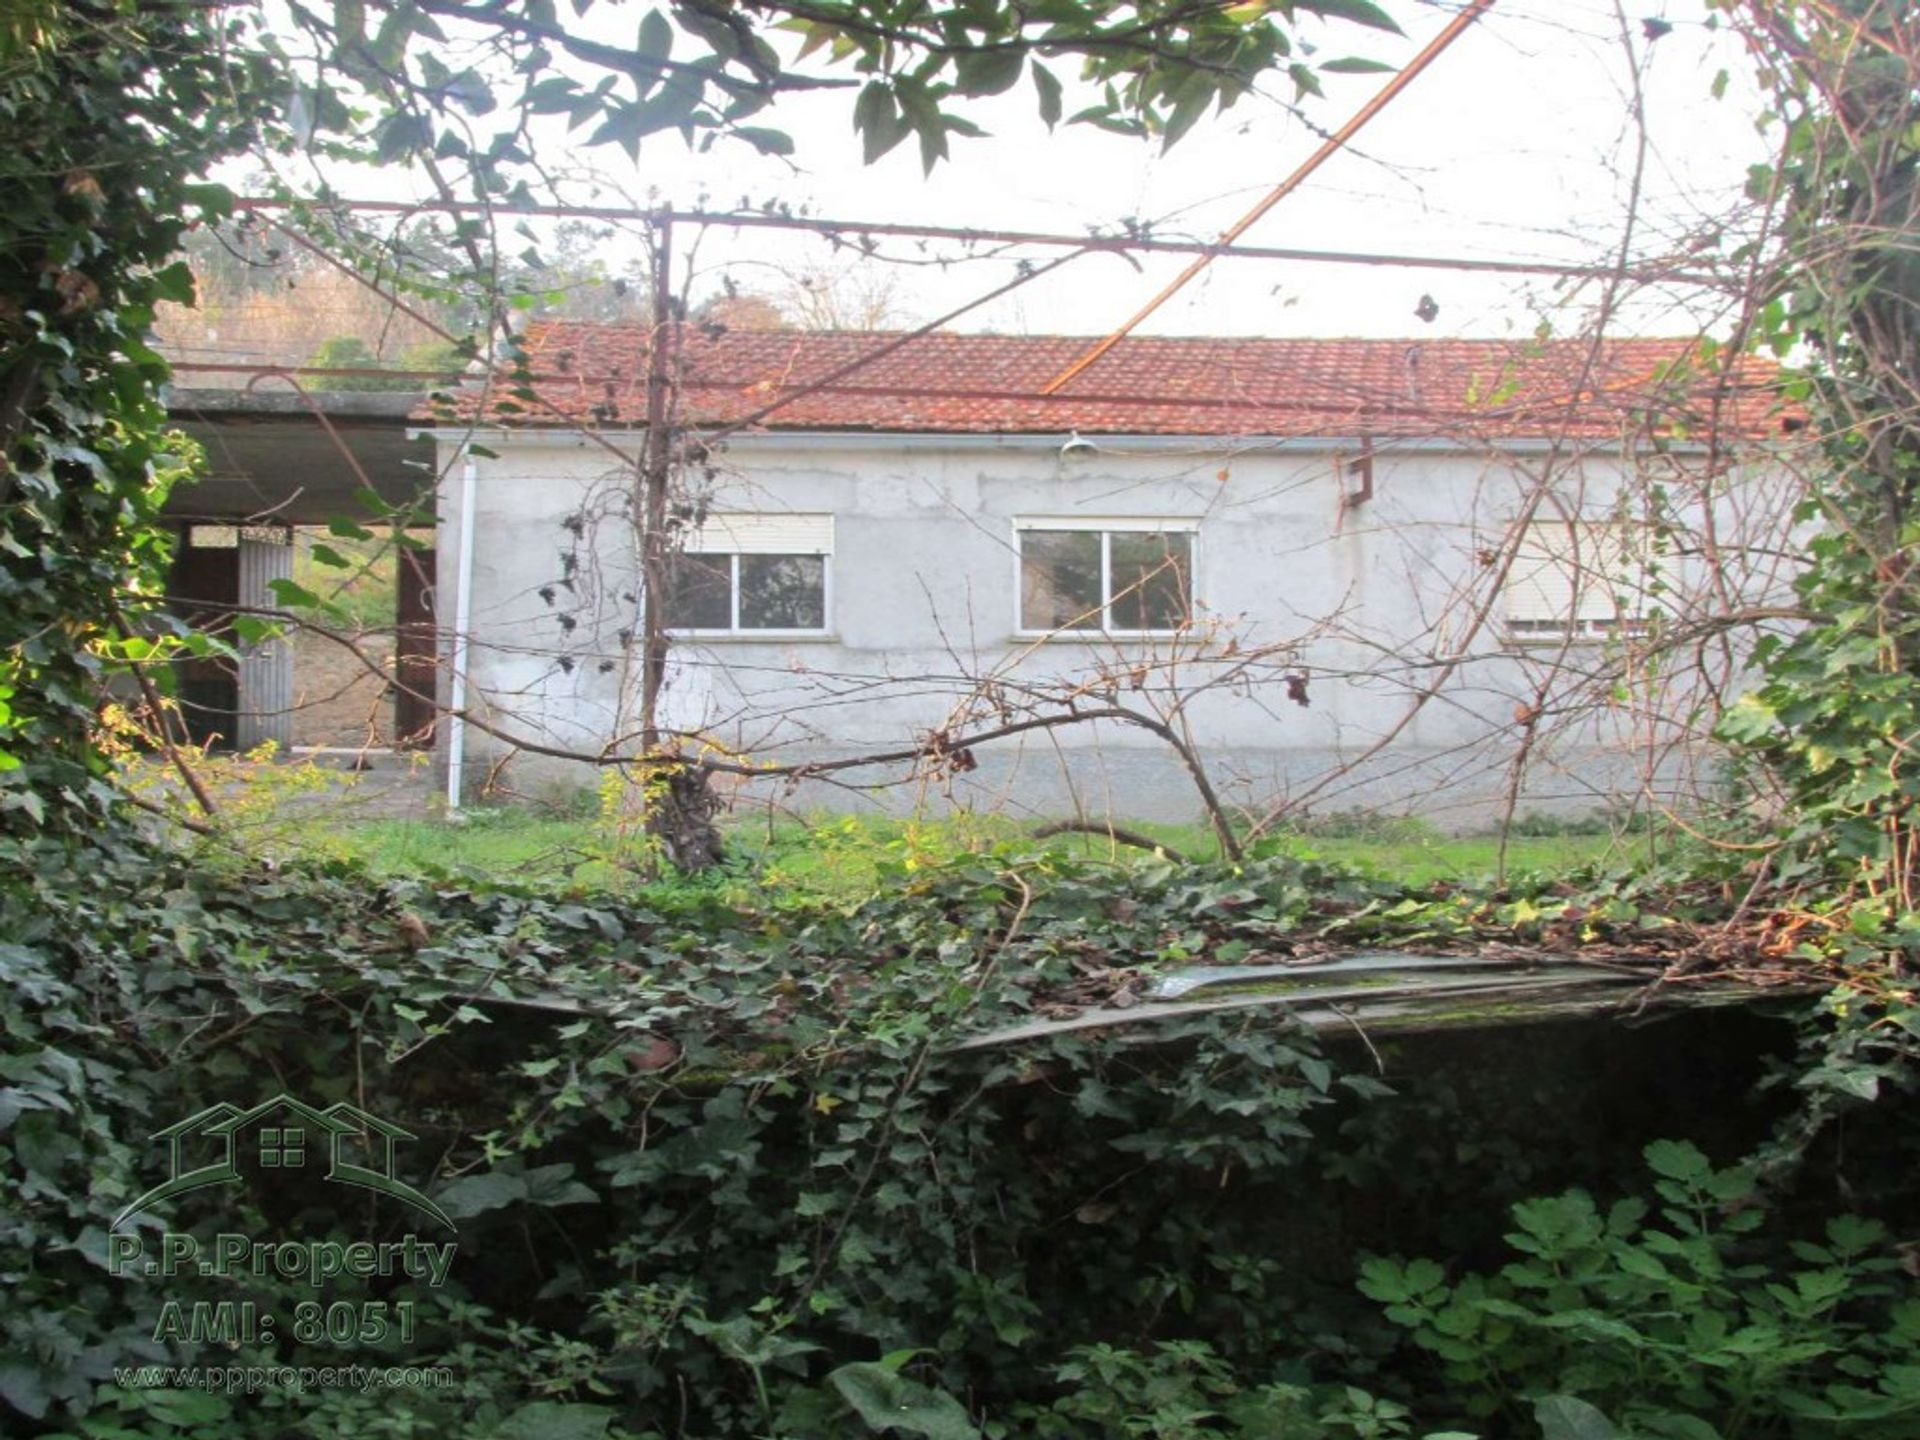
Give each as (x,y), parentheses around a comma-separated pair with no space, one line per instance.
(1677,1160)
(1048,85)
(877,118)
(389,47)
(175,283)
(553,1185)
(476,1194)
(767,142)
(656,37)
(1185,114)
(291,593)
(215,202)
(399,136)
(920,113)
(1357,65)
(885,1401)
(554,1420)
(989,72)
(622,125)
(1565,1417)
(1359,12)
(187,1409)
(22,1387)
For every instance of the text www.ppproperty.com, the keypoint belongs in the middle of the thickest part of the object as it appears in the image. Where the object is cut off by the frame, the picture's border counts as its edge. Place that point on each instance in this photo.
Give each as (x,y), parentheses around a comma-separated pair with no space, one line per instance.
(252,1379)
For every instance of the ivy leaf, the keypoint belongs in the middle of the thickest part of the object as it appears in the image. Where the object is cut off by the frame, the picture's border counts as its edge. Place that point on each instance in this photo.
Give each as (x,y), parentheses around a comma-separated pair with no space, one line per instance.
(174,283)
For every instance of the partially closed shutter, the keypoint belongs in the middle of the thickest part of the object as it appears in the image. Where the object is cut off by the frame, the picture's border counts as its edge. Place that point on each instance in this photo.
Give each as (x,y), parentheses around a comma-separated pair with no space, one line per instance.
(1574,572)
(763,535)
(1540,583)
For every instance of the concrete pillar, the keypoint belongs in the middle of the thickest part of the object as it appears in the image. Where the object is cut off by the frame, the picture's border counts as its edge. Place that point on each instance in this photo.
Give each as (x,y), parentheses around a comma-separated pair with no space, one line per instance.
(265,708)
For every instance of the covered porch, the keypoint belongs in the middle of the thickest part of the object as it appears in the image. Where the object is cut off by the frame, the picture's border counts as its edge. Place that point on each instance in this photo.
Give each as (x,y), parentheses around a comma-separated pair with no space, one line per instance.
(282,465)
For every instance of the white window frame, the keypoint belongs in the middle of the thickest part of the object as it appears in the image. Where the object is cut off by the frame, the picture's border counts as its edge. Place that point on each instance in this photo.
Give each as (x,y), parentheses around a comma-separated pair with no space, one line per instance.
(736,533)
(1601,564)
(1106,526)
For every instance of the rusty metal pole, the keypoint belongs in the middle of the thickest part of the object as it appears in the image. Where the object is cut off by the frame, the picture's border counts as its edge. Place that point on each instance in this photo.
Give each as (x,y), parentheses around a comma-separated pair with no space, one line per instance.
(656,476)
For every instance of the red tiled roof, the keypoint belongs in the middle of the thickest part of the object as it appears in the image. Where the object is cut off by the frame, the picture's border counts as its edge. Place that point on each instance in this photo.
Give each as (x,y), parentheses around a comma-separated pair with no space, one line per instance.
(596,375)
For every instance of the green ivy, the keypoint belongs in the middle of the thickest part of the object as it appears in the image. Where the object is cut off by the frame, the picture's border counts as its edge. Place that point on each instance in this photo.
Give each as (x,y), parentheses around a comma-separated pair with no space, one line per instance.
(106,111)
(706,1157)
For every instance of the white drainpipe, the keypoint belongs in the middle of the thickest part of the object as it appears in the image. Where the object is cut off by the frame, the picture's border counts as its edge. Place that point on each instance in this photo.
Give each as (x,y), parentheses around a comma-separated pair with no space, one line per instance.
(462,618)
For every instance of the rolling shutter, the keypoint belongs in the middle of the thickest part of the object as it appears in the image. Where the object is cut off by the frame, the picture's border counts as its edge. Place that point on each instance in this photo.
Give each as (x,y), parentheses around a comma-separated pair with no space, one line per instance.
(1573,572)
(763,535)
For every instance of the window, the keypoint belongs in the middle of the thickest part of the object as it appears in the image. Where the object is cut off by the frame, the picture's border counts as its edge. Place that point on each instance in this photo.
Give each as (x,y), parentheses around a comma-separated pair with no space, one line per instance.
(1580,578)
(747,573)
(1118,576)
(283,1149)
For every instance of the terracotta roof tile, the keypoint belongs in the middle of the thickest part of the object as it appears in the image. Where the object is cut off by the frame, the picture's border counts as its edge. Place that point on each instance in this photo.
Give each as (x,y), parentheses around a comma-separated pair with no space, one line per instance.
(596,375)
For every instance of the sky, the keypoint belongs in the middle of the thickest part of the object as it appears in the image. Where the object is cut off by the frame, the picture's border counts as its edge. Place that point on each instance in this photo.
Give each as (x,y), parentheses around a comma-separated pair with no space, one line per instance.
(1516,144)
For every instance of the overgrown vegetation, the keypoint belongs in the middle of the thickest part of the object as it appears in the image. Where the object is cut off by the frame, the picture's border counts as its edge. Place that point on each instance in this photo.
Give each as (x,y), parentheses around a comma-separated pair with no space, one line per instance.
(717,1165)
(105,119)
(744,1156)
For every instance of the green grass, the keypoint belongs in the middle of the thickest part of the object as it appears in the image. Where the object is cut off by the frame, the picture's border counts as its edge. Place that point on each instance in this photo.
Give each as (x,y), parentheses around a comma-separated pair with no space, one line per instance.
(520,845)
(1423,861)
(842,856)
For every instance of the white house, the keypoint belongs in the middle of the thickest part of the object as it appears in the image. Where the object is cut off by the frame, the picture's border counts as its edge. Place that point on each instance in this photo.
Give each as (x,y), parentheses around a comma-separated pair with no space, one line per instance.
(1448,577)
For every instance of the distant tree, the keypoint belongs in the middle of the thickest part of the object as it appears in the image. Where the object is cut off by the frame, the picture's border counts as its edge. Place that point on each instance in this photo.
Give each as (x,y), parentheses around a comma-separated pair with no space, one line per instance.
(862,295)
(742,310)
(350,352)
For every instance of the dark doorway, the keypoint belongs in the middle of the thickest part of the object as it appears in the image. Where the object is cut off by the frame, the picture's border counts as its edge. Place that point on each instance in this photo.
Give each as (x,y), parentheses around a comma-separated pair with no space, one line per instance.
(202,587)
(414,669)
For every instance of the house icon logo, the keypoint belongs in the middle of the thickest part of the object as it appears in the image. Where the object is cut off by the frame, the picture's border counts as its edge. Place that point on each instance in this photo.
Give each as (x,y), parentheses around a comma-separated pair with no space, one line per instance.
(280,1134)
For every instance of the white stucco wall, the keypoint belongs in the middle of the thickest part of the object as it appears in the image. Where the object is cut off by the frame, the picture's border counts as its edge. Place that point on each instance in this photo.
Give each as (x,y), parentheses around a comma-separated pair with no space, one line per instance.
(1376,604)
